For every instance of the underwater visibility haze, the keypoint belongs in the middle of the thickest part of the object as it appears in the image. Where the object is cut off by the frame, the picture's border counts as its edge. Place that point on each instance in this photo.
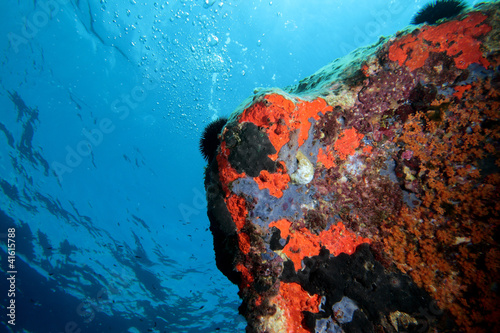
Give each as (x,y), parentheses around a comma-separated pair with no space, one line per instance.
(102,105)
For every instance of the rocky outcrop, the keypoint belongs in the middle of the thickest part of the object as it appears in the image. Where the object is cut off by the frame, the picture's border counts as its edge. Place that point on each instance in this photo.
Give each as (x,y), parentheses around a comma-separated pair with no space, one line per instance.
(366,197)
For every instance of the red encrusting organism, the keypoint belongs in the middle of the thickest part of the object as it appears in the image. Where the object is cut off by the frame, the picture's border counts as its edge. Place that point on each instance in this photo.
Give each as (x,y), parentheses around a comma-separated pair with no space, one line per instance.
(347,143)
(276,182)
(294,300)
(281,116)
(236,205)
(458,39)
(326,157)
(459,90)
(227,173)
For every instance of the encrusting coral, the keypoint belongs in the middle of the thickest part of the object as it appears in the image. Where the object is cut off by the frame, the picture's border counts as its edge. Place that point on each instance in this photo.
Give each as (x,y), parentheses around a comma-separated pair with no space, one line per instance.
(449,244)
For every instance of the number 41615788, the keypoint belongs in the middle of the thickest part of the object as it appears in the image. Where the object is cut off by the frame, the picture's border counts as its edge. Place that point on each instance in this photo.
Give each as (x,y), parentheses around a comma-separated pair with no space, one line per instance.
(11,247)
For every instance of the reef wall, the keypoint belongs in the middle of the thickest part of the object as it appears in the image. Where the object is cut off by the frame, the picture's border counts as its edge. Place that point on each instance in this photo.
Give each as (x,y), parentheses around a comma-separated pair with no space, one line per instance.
(365,198)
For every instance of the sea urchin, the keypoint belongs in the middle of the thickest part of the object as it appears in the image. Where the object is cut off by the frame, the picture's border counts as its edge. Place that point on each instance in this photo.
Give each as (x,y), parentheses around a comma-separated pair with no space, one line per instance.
(209,141)
(436,10)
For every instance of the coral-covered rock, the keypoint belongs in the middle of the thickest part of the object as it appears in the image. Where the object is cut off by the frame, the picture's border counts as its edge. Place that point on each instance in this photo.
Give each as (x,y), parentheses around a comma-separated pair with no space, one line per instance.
(366,198)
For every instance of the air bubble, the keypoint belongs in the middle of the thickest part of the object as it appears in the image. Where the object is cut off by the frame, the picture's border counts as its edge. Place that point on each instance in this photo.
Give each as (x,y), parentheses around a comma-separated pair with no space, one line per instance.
(208,3)
(213,40)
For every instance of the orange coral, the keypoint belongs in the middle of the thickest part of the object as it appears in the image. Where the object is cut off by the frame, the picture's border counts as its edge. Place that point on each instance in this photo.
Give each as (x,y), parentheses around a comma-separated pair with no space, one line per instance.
(367,149)
(306,110)
(347,143)
(280,116)
(244,243)
(283,225)
(337,240)
(273,114)
(457,38)
(246,276)
(327,159)
(437,242)
(276,182)
(460,90)
(302,244)
(294,300)
(236,206)
(227,174)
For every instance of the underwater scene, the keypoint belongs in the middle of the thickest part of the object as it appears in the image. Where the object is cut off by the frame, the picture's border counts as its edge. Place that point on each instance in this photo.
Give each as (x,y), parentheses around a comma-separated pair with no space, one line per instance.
(249,166)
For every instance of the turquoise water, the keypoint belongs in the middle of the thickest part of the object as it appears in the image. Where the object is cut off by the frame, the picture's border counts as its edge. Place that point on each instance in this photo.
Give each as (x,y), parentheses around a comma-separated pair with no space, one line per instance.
(101,109)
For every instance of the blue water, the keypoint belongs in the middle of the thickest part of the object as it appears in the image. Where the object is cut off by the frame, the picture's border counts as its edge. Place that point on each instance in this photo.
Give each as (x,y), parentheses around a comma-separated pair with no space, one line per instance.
(101,109)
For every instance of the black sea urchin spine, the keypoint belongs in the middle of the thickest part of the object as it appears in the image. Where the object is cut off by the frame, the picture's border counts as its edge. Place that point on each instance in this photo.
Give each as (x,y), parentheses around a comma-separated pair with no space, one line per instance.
(209,141)
(437,10)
